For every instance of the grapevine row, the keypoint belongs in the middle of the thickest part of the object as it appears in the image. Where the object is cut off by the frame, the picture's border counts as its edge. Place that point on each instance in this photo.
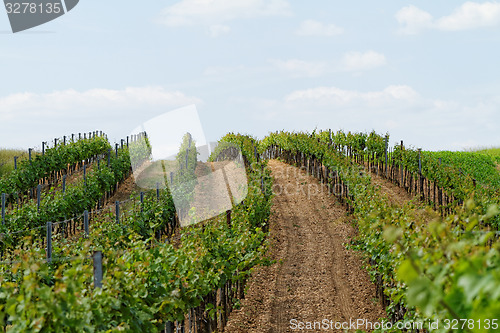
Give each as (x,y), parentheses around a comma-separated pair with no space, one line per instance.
(148,286)
(424,270)
(52,165)
(444,180)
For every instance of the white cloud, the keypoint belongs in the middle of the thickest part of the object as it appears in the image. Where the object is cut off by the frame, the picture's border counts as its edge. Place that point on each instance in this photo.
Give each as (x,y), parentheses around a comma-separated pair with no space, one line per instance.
(397,109)
(413,20)
(214,13)
(359,61)
(300,68)
(56,113)
(340,97)
(315,28)
(470,15)
(350,62)
(217,30)
(225,70)
(91,100)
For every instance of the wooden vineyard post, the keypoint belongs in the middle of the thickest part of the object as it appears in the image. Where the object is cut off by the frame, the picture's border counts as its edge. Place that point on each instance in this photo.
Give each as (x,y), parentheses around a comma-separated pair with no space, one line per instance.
(402,169)
(142,202)
(38,195)
(117,211)
(29,154)
(49,241)
(228,218)
(262,179)
(221,308)
(3,208)
(86,223)
(169,327)
(64,185)
(116,150)
(428,190)
(385,152)
(420,178)
(440,192)
(97,263)
(15,162)
(157,191)
(85,176)
(43,148)
(318,170)
(434,193)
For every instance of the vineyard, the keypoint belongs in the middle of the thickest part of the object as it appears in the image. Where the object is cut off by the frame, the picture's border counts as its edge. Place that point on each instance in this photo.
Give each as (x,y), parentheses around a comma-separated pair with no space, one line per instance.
(431,259)
(74,260)
(86,249)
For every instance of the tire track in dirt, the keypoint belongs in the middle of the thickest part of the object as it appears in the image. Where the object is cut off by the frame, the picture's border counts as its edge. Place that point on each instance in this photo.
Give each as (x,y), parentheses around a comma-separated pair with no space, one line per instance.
(314,277)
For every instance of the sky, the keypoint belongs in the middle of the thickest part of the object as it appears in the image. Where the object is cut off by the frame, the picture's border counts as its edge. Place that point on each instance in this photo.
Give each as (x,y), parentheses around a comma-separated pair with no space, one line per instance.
(426,72)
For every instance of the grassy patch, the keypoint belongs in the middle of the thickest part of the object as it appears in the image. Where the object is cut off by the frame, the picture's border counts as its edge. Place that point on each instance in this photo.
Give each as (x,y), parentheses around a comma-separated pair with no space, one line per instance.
(7,159)
(494,152)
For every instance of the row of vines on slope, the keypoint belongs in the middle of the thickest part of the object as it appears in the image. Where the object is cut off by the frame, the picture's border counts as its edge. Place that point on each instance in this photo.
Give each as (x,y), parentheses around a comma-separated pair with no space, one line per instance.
(146,283)
(442,179)
(88,193)
(445,269)
(61,159)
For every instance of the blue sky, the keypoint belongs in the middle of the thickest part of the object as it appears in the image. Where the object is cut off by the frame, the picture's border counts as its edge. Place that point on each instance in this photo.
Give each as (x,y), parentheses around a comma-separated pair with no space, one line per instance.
(426,72)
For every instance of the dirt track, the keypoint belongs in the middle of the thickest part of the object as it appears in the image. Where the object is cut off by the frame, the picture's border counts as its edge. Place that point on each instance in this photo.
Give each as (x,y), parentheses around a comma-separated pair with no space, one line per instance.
(314,278)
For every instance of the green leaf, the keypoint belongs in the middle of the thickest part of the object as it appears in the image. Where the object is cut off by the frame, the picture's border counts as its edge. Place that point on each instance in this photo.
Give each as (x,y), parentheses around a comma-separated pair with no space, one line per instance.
(392,233)
(406,272)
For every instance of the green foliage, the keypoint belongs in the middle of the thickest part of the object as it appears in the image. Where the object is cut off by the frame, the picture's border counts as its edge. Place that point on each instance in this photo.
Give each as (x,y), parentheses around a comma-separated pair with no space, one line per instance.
(493,152)
(460,174)
(139,150)
(55,159)
(441,269)
(7,160)
(463,174)
(184,178)
(145,282)
(59,206)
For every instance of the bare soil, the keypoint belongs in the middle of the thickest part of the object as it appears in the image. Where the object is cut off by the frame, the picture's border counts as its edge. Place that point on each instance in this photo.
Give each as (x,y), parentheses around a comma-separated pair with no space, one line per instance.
(396,195)
(314,277)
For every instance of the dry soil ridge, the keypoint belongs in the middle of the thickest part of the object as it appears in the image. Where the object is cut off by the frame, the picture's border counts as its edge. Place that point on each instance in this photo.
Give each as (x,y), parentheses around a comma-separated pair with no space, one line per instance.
(314,277)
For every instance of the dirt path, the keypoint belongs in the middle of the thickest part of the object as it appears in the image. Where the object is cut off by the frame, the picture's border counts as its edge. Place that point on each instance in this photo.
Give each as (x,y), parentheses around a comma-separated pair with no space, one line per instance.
(394,193)
(314,279)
